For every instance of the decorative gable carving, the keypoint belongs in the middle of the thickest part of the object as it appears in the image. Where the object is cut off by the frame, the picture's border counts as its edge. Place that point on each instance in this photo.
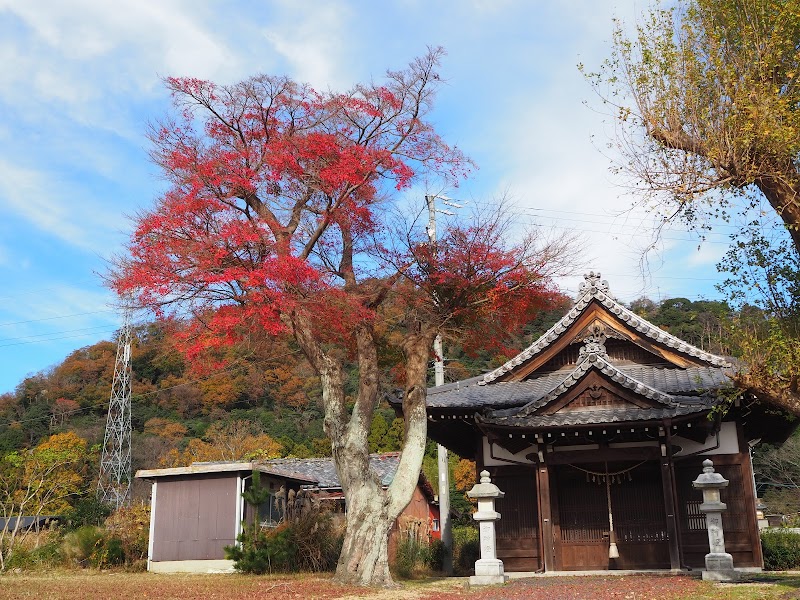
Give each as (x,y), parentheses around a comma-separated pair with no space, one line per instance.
(594,397)
(594,342)
(596,392)
(596,328)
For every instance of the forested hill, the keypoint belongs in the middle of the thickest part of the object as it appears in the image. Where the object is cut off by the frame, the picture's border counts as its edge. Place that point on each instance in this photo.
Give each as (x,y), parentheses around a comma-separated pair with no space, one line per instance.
(255,402)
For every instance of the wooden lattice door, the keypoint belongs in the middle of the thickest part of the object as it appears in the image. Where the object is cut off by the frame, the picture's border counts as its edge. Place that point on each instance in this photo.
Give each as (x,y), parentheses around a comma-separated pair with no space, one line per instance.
(582,531)
(517,530)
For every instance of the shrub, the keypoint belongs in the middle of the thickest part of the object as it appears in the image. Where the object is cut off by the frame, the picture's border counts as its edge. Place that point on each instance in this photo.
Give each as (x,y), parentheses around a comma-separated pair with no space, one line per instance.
(411,556)
(318,542)
(87,511)
(131,527)
(79,545)
(47,555)
(781,550)
(108,552)
(466,549)
(436,552)
(36,549)
(263,551)
(309,543)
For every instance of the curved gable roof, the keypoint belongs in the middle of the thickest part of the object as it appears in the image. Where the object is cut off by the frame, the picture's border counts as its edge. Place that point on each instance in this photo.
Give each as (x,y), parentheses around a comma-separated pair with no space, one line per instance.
(595,288)
(597,362)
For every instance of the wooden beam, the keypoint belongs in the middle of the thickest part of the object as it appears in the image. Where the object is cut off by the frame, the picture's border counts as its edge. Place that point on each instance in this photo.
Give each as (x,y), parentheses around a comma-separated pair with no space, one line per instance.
(749,492)
(546,550)
(603,454)
(670,509)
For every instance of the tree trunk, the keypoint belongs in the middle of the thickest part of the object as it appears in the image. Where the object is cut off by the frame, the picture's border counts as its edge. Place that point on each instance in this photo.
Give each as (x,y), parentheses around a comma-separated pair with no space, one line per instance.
(371,510)
(783,197)
(365,552)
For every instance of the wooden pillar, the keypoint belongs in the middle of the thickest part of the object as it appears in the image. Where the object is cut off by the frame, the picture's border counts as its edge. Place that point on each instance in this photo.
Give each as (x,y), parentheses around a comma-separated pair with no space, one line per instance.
(668,486)
(545,517)
(749,492)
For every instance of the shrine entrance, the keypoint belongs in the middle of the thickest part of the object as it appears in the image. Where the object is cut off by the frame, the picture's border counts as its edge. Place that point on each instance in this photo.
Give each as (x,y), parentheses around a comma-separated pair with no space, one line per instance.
(582,534)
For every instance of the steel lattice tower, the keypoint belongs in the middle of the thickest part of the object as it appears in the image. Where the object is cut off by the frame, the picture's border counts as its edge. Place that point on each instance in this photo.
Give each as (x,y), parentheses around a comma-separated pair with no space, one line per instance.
(114,484)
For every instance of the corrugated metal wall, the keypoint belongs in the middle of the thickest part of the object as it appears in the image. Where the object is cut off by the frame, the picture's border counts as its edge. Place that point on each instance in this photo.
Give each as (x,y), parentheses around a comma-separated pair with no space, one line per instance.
(195,518)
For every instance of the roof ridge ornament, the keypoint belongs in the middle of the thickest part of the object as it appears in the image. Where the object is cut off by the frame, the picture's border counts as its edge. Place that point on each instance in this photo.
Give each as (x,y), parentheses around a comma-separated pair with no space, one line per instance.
(593,283)
(594,343)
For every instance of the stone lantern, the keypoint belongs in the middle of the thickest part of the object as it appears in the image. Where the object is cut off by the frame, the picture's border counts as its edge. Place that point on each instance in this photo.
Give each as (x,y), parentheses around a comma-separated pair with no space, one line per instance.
(488,569)
(719,564)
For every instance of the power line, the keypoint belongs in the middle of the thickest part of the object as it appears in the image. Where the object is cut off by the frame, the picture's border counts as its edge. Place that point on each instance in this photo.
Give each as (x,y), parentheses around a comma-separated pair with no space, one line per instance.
(56,317)
(55,339)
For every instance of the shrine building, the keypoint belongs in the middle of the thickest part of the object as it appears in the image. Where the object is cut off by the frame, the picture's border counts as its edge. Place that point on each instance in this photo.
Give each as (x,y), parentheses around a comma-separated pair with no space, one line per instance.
(595,433)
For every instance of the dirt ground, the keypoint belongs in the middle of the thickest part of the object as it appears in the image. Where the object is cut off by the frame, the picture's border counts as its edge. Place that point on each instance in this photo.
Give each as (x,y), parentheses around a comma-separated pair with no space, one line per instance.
(95,585)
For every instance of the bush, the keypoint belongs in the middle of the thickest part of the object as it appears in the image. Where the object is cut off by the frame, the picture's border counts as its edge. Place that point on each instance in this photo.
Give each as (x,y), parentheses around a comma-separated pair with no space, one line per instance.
(79,545)
(411,558)
(781,550)
(131,527)
(87,511)
(466,549)
(436,552)
(47,555)
(108,552)
(318,542)
(263,551)
(309,543)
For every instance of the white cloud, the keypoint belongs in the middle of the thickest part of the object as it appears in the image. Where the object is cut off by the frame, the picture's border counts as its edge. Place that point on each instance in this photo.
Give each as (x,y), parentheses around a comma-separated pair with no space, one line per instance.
(55,207)
(313,38)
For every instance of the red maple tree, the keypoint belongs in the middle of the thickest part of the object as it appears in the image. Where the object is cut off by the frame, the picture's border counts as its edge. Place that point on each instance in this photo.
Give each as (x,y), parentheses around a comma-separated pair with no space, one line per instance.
(277,220)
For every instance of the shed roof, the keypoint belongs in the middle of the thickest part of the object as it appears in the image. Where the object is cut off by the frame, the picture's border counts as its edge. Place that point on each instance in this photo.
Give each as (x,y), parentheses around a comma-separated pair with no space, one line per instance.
(202,468)
(320,472)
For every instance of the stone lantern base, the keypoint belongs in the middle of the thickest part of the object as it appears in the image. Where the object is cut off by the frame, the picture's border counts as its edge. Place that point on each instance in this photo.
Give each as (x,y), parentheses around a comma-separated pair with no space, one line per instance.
(488,571)
(719,567)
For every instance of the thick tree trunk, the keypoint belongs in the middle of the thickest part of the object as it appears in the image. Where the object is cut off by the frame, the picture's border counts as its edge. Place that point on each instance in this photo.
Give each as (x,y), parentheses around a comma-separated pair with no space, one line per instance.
(371,510)
(365,552)
(784,198)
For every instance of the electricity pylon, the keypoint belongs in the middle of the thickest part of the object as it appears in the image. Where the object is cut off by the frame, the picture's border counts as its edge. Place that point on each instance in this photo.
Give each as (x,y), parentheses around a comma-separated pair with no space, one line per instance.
(114,484)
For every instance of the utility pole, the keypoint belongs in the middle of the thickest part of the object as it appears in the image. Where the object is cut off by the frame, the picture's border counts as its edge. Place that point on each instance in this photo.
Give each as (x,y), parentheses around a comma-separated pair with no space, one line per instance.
(445,526)
(114,483)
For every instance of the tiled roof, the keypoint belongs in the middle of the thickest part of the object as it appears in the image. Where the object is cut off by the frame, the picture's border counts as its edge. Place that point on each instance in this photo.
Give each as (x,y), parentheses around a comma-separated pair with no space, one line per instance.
(323,471)
(594,288)
(591,417)
(468,395)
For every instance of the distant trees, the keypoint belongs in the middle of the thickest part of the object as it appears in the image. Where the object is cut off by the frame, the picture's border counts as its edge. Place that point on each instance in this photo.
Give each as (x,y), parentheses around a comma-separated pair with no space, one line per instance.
(36,482)
(703,323)
(237,440)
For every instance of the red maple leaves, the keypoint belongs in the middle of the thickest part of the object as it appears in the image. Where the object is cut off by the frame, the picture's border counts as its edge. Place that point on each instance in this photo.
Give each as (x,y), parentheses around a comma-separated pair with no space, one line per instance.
(275,207)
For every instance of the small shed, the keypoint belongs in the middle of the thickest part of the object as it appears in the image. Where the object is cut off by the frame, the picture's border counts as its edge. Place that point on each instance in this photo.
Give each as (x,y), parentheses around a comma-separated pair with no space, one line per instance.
(196,511)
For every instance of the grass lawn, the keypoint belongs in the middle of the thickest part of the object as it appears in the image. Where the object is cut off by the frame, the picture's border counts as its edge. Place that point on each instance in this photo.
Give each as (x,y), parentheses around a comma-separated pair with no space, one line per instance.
(93,585)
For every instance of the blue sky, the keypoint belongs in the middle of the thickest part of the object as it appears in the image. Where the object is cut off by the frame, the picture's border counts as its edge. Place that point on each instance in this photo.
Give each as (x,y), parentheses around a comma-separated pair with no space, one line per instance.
(81,80)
